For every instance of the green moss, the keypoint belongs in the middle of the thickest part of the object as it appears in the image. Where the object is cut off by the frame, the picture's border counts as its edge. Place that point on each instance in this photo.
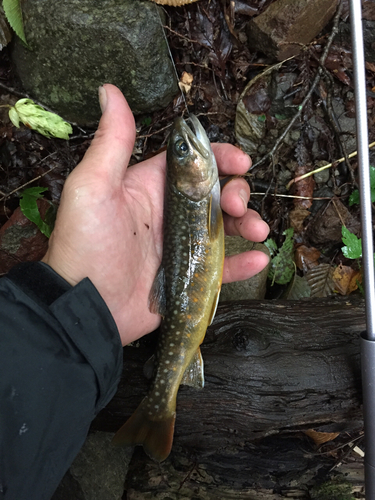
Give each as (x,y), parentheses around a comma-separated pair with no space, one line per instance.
(335,489)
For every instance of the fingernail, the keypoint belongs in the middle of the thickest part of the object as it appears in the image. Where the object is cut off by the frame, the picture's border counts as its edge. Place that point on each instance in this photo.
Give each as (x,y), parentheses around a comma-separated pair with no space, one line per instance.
(102,98)
(244,197)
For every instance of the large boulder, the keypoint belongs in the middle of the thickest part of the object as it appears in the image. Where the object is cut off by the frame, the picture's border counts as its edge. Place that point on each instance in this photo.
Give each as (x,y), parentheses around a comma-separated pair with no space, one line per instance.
(77,45)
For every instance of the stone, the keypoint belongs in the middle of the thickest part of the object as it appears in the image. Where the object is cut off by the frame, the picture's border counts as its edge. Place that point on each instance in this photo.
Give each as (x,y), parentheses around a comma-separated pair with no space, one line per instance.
(100,468)
(253,288)
(281,29)
(77,45)
(21,240)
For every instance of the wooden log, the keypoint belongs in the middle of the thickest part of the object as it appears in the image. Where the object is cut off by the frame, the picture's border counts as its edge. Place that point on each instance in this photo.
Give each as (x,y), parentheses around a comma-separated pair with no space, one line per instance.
(272,369)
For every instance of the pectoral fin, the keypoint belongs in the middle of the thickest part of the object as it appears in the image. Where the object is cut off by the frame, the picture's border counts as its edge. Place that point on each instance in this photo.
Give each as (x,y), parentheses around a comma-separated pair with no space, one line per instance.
(215,217)
(194,373)
(156,298)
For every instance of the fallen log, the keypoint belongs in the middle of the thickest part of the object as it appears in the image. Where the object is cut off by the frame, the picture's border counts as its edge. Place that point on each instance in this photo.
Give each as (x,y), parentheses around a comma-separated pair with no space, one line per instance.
(272,370)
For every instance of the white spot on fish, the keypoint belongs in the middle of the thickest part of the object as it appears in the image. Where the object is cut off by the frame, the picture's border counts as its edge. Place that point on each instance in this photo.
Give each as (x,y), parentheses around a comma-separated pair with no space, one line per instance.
(165,371)
(157,393)
(156,407)
(163,381)
(170,354)
(23,429)
(175,311)
(171,345)
(167,362)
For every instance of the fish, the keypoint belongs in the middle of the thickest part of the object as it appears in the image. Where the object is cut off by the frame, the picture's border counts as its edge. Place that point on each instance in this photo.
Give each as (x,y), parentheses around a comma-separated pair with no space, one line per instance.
(187,285)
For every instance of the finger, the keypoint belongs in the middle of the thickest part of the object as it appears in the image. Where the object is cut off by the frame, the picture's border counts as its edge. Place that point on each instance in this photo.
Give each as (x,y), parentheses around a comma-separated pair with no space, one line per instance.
(235,196)
(250,226)
(113,143)
(244,265)
(231,160)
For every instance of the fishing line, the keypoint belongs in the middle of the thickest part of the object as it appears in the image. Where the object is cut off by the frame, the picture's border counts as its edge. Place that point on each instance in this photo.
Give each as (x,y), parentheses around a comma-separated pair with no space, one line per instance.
(171,57)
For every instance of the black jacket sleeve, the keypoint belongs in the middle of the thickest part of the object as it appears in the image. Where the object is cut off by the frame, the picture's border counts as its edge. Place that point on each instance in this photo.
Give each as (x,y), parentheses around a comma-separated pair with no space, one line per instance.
(60,363)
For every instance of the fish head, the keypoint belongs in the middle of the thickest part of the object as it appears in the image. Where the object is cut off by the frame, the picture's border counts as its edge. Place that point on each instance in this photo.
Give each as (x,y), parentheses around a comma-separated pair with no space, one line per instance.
(191,164)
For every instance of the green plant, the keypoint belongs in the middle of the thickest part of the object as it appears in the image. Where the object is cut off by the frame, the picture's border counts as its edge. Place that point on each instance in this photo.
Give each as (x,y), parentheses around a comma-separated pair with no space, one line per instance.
(30,209)
(13,12)
(354,197)
(37,118)
(282,266)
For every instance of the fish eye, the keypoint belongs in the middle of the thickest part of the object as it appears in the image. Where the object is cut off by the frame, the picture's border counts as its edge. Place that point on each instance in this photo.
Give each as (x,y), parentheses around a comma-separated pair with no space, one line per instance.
(181,148)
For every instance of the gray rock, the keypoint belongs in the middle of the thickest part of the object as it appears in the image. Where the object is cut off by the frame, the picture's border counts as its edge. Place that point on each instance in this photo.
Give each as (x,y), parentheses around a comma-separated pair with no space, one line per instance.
(99,470)
(77,45)
(253,288)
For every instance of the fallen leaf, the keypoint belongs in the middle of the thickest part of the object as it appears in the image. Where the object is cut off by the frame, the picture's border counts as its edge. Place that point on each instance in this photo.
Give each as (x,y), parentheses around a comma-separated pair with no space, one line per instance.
(346,279)
(320,280)
(304,187)
(185,82)
(321,437)
(296,218)
(306,257)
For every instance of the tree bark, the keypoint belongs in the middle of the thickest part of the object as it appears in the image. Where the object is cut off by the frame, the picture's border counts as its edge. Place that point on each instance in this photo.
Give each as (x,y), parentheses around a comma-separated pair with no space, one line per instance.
(272,370)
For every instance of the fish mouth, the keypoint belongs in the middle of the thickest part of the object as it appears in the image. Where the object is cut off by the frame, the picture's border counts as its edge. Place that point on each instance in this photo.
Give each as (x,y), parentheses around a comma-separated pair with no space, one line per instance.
(196,135)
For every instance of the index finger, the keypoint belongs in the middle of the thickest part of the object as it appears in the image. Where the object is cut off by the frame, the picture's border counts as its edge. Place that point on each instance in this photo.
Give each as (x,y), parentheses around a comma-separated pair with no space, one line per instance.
(231,160)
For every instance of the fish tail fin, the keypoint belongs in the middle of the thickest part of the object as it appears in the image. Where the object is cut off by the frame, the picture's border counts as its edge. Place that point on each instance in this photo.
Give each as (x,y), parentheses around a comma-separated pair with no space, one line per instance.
(156,436)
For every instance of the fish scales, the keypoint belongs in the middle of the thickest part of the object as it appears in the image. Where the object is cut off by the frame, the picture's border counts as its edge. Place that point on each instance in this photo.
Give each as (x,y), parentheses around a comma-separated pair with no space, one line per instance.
(186,288)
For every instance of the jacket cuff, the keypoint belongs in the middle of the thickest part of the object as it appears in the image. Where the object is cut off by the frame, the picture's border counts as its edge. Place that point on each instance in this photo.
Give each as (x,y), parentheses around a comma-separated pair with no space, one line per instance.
(83,315)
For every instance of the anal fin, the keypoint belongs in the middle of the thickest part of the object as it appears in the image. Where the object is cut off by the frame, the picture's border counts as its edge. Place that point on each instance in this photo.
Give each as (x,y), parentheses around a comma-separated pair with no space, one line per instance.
(194,373)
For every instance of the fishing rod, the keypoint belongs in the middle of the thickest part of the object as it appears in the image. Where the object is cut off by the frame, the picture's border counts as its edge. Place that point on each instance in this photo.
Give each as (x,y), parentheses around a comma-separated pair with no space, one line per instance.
(367,337)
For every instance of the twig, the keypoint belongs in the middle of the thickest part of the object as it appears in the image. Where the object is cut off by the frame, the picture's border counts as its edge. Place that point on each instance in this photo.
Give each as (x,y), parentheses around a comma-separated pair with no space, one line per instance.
(27,183)
(312,88)
(334,123)
(291,196)
(300,177)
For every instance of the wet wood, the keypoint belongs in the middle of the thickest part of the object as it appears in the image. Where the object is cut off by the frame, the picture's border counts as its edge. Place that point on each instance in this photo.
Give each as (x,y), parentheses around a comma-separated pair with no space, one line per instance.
(273,369)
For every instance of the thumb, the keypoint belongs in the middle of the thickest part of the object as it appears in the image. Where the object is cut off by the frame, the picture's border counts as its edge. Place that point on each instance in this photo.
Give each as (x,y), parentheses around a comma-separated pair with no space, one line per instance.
(113,143)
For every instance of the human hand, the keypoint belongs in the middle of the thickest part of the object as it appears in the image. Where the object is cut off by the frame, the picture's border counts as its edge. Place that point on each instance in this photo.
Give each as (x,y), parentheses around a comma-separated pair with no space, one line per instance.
(109,223)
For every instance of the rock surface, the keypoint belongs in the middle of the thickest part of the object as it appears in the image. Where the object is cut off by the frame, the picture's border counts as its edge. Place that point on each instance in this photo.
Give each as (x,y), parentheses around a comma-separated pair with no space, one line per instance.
(98,472)
(281,29)
(253,288)
(21,240)
(77,45)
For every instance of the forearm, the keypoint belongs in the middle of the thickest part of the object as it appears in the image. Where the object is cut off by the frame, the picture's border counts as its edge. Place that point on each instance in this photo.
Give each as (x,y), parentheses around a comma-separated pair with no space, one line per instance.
(60,362)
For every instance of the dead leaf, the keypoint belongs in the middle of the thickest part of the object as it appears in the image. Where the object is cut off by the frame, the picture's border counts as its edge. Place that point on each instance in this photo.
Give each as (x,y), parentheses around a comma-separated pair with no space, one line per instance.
(320,280)
(346,279)
(185,82)
(320,438)
(304,187)
(296,218)
(306,257)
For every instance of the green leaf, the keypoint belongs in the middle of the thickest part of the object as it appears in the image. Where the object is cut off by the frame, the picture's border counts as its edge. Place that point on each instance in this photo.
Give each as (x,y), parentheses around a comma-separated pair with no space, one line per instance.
(13,12)
(146,122)
(30,209)
(271,245)
(35,117)
(282,265)
(354,197)
(353,245)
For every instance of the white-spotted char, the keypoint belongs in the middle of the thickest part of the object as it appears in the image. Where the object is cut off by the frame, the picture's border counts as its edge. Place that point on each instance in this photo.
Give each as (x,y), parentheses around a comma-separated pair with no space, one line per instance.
(187,286)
